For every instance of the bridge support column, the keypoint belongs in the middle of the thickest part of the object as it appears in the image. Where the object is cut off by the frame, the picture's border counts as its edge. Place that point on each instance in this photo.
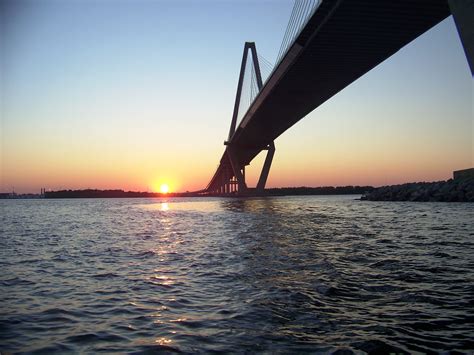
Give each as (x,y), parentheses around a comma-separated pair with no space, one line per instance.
(266,167)
(223,185)
(237,170)
(463,14)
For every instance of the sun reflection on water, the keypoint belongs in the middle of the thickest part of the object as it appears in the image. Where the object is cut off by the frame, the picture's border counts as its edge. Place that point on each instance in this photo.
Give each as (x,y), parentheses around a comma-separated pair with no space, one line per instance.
(163,341)
(182,319)
(180,205)
(162,280)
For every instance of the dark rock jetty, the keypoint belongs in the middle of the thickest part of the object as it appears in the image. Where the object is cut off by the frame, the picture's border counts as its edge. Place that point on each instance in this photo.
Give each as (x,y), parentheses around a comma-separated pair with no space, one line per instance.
(453,190)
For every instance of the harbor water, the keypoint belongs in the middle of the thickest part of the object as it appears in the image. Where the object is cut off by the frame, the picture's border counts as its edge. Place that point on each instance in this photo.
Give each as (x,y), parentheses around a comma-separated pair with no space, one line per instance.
(316,274)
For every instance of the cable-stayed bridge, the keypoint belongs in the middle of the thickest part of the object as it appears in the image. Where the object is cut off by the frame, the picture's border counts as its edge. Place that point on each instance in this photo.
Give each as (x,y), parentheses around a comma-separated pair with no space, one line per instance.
(327,45)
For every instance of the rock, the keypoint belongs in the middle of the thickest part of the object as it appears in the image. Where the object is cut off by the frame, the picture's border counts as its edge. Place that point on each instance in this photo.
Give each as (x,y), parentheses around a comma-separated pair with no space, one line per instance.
(459,190)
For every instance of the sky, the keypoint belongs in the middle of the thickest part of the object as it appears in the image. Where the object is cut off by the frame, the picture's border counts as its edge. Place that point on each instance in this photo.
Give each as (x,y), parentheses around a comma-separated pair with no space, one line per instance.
(133,94)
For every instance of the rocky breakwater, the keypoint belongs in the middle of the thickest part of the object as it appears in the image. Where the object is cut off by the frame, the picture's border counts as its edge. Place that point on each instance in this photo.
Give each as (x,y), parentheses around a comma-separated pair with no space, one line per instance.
(453,190)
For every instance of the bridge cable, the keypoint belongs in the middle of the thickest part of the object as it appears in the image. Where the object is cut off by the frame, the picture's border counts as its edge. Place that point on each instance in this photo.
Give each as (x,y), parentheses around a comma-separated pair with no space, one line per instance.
(306,12)
(296,28)
(252,85)
(283,46)
(302,11)
(286,31)
(265,66)
(248,73)
(261,59)
(263,62)
(290,38)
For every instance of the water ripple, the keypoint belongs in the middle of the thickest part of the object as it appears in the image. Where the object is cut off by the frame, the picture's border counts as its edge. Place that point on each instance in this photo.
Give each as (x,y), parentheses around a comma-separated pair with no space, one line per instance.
(275,275)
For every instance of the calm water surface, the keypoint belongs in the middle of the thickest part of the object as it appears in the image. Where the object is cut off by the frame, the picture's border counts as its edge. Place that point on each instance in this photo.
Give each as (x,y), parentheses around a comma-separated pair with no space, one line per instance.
(284,275)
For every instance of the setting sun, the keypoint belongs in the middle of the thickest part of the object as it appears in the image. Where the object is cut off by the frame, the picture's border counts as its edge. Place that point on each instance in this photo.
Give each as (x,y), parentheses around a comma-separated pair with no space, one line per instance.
(164,185)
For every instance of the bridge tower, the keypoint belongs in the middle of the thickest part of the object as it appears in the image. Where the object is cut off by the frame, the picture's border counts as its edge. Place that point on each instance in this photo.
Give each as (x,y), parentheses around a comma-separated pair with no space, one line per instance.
(238,171)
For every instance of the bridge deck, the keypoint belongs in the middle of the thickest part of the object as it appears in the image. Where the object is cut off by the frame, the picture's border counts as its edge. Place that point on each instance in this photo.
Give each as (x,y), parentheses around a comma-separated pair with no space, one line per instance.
(343,40)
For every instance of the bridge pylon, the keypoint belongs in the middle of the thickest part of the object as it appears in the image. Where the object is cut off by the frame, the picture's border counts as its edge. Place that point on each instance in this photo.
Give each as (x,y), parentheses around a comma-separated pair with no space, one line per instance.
(238,170)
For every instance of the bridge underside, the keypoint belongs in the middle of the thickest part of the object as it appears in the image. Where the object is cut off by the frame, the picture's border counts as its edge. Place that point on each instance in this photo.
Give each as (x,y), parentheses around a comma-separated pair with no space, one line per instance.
(342,41)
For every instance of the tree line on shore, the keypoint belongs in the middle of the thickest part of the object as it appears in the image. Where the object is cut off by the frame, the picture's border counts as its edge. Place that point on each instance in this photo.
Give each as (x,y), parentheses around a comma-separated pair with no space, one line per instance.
(95,193)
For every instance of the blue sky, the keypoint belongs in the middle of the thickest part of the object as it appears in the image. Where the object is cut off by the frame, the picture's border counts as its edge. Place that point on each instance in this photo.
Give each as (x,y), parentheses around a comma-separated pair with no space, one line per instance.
(128,94)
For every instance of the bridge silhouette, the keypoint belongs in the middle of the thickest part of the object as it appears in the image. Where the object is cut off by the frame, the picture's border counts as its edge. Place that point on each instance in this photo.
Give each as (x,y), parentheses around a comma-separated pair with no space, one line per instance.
(328,45)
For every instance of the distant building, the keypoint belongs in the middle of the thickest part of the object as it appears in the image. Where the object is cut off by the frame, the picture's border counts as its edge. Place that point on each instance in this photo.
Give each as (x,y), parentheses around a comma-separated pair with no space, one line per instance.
(463,174)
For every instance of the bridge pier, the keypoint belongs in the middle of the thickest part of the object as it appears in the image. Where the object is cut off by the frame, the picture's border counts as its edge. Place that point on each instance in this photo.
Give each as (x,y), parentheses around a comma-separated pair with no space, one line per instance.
(266,168)
(239,172)
(236,184)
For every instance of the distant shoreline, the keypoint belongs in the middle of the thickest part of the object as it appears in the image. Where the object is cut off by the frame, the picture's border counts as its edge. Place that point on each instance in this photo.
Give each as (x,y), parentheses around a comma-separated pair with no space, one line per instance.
(89,193)
(284,191)
(452,190)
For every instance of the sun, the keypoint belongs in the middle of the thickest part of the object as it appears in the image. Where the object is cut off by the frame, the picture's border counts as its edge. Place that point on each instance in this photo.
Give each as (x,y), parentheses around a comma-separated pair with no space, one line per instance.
(164,188)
